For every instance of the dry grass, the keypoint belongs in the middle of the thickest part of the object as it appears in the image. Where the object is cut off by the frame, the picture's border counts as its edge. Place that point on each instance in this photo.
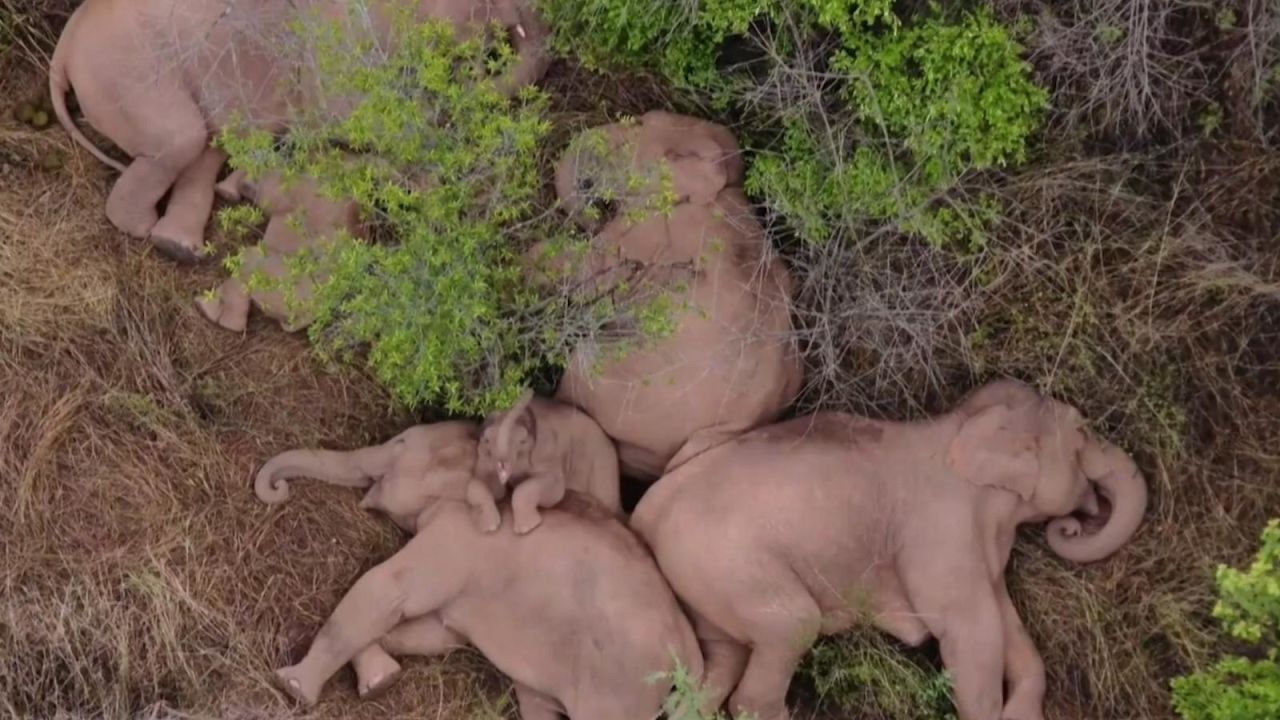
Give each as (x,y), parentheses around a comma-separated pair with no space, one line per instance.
(140,577)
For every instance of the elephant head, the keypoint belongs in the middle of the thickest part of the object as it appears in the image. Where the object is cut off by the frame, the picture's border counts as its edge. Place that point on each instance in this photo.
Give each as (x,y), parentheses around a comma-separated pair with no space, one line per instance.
(635,163)
(1011,437)
(507,440)
(404,497)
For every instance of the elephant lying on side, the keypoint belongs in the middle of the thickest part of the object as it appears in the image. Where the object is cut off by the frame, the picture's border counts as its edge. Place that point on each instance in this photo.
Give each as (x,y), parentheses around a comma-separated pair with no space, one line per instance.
(158,76)
(301,216)
(576,614)
(407,474)
(730,364)
(804,527)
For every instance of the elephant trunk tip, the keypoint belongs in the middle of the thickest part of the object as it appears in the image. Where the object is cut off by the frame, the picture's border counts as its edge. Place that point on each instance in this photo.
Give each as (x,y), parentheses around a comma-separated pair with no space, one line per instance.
(269,488)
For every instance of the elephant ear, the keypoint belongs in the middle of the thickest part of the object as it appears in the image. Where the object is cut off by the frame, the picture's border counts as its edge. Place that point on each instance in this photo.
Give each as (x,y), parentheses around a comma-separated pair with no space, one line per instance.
(997,447)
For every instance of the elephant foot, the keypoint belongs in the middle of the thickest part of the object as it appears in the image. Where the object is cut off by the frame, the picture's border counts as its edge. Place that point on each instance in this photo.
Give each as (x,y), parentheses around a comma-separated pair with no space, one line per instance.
(230,188)
(131,221)
(527,523)
(175,243)
(374,682)
(216,311)
(290,680)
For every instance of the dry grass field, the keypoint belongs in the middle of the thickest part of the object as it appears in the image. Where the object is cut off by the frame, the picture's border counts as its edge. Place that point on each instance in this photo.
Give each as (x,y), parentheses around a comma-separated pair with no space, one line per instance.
(1136,273)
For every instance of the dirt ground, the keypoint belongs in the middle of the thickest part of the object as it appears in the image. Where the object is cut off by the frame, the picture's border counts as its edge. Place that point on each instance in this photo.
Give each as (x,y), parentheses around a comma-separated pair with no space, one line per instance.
(140,577)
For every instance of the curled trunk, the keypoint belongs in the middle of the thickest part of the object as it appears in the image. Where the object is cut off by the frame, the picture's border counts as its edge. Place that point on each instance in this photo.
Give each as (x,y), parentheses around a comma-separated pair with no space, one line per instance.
(1118,478)
(356,468)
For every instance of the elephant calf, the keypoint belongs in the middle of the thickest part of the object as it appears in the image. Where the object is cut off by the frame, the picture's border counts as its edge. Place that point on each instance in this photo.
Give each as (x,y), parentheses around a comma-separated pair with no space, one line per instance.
(406,475)
(576,614)
(538,446)
(804,527)
(301,217)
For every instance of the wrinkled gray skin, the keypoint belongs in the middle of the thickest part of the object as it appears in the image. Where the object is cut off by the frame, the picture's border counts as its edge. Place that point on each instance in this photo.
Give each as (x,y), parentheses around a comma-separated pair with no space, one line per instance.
(730,364)
(537,446)
(405,475)
(576,614)
(804,527)
(157,77)
(300,217)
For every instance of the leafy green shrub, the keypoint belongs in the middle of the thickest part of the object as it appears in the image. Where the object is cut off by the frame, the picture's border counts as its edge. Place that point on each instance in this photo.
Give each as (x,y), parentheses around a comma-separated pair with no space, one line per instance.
(957,93)
(1239,688)
(448,169)
(894,109)
(860,672)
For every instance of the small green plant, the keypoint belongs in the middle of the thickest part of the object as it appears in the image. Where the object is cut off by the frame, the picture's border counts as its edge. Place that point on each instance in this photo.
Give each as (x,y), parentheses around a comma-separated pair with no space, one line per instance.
(956,92)
(863,671)
(1242,688)
(446,167)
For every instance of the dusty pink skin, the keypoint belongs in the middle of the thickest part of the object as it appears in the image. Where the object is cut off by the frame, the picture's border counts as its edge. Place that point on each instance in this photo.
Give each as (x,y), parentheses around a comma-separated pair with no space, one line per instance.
(802,528)
(301,216)
(537,446)
(157,77)
(731,364)
(586,653)
(405,476)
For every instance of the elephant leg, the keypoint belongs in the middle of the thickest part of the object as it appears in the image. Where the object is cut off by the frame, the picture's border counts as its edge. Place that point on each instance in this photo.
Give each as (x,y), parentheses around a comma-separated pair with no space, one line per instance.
(131,206)
(376,671)
(231,187)
(426,636)
(180,232)
(228,307)
(533,493)
(1023,666)
(781,633)
(411,583)
(965,618)
(724,658)
(535,705)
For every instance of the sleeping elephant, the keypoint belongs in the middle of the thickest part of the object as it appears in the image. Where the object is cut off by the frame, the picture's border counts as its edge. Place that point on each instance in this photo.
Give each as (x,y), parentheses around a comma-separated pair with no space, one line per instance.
(576,614)
(730,363)
(405,475)
(807,526)
(302,217)
(157,77)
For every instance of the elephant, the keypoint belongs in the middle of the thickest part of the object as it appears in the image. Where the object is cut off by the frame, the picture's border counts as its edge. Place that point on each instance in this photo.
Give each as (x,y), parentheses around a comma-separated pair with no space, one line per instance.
(406,475)
(536,446)
(730,363)
(807,526)
(157,77)
(576,614)
(301,217)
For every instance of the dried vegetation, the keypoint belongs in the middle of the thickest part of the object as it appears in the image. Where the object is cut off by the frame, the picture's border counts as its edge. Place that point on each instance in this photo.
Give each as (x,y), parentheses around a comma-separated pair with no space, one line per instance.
(1134,269)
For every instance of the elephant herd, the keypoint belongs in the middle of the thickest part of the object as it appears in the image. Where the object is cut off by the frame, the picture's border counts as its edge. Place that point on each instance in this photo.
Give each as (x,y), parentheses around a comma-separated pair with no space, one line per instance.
(756,535)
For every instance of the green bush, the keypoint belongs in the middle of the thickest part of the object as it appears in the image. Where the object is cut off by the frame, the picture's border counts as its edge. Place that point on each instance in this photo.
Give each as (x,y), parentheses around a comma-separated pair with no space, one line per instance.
(1240,688)
(861,672)
(912,103)
(448,169)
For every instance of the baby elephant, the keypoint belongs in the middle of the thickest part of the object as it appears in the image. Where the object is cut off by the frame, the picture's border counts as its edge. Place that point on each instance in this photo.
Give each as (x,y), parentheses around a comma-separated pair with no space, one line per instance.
(576,614)
(409,473)
(807,526)
(540,446)
(301,217)
(405,472)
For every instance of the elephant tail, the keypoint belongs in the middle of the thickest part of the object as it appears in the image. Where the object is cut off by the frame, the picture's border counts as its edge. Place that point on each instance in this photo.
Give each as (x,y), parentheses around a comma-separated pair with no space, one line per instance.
(59,84)
(356,468)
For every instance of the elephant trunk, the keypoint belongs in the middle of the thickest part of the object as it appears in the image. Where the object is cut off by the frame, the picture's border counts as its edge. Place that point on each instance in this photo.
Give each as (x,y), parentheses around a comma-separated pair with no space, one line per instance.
(348,469)
(1119,479)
